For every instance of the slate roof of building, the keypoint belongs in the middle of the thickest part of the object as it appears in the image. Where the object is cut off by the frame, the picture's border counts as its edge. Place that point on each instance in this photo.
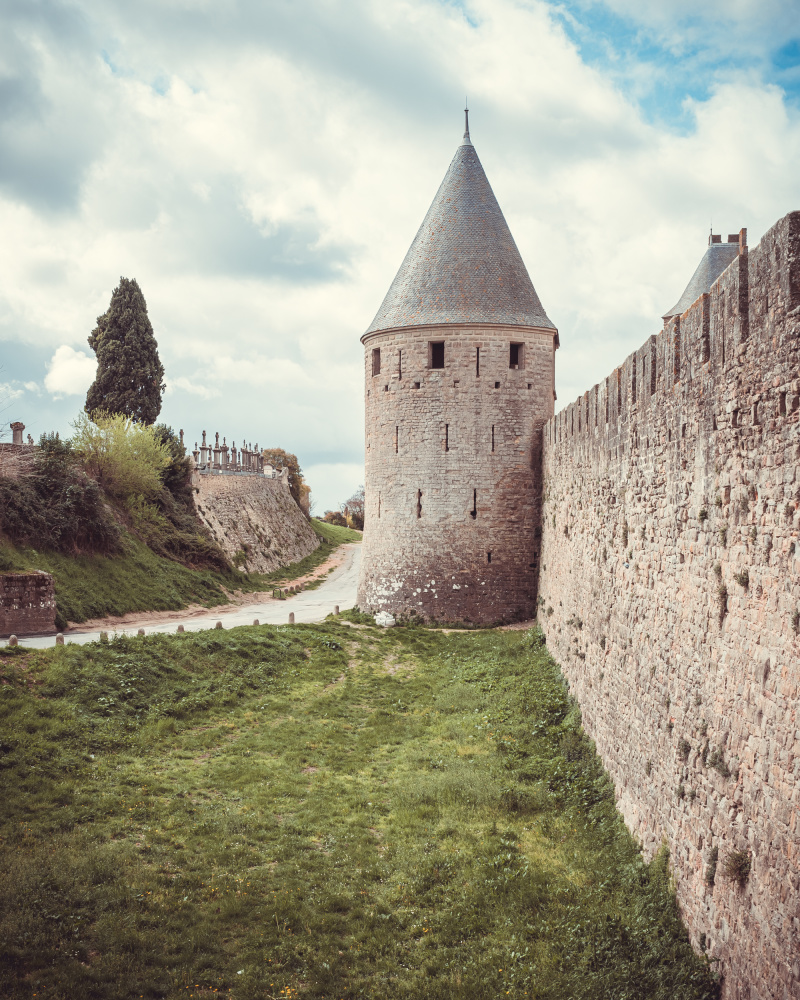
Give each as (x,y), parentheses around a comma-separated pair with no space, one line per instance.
(714,262)
(463,266)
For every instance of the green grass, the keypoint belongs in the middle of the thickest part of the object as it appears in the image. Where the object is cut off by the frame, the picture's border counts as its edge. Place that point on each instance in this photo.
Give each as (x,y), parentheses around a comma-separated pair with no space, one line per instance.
(138,580)
(318,811)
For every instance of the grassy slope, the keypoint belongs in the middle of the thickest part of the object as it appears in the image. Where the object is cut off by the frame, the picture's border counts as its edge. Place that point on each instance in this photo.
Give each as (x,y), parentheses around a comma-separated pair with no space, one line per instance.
(318,811)
(140,580)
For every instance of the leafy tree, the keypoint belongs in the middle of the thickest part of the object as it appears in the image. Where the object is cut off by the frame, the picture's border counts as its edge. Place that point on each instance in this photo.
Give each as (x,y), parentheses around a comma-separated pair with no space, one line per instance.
(280,459)
(130,376)
(353,510)
(126,458)
(335,517)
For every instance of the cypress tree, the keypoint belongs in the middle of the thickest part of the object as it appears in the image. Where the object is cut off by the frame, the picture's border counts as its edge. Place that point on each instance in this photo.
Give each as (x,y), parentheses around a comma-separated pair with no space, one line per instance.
(130,376)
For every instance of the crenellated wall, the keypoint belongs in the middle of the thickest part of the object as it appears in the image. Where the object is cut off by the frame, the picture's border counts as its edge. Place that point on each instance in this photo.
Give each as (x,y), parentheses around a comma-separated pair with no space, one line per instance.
(670,594)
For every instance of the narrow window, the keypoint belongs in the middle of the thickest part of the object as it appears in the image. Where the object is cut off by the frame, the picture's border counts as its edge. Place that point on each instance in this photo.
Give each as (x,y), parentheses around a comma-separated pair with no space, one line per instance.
(488,557)
(437,354)
(396,437)
(386,388)
(474,512)
(379,505)
(515,356)
(530,385)
(492,437)
(782,404)
(416,385)
(477,362)
(419,503)
(400,362)
(497,385)
(376,360)
(447,437)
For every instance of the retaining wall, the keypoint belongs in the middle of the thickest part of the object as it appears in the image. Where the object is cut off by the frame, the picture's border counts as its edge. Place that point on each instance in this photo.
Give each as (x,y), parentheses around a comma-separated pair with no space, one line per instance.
(255,520)
(27,604)
(669,592)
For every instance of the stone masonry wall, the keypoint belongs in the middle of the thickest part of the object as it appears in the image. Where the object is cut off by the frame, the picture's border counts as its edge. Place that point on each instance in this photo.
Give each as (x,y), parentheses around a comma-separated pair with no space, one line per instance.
(255,520)
(27,604)
(670,594)
(452,476)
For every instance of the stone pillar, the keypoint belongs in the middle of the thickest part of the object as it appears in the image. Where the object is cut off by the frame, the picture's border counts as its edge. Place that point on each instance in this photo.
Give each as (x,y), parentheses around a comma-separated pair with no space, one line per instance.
(16,429)
(224,453)
(216,450)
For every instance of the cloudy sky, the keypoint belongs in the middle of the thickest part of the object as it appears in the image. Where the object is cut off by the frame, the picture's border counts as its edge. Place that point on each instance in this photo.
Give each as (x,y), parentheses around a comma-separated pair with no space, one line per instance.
(261,166)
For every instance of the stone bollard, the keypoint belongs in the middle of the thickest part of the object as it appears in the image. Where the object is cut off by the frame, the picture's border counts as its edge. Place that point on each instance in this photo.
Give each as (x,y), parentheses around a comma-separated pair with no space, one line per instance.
(140,632)
(218,625)
(60,639)
(180,628)
(336,609)
(12,639)
(291,621)
(104,637)
(256,621)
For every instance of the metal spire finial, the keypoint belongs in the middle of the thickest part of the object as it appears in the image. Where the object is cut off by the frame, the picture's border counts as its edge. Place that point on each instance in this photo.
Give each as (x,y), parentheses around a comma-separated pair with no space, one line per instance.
(467,140)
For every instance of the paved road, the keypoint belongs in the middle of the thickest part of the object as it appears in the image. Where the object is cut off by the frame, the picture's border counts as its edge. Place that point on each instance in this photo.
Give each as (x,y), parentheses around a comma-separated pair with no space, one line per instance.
(308,606)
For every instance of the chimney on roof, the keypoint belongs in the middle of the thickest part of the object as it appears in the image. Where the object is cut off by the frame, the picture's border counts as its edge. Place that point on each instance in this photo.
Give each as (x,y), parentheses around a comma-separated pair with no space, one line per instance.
(714,239)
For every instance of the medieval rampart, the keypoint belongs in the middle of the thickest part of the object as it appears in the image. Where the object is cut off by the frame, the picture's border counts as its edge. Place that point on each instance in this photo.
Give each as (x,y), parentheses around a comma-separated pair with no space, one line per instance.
(669,593)
(254,518)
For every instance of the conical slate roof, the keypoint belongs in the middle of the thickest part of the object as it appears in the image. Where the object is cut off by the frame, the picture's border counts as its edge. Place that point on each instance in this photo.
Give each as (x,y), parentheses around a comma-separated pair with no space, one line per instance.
(714,262)
(463,266)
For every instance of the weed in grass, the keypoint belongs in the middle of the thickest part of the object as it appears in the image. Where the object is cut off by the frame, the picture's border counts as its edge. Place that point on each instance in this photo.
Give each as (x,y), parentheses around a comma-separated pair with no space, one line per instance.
(336,811)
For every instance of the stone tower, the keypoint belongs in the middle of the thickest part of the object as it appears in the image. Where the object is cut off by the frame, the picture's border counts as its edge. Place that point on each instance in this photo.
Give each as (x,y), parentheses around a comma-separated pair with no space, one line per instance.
(459,372)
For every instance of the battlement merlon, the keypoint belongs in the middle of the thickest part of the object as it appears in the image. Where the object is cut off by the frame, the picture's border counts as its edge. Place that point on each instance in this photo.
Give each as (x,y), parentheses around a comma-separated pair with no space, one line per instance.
(744,309)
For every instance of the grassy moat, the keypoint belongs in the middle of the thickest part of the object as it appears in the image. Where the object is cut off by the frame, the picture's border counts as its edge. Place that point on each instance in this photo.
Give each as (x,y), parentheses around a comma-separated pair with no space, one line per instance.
(318,811)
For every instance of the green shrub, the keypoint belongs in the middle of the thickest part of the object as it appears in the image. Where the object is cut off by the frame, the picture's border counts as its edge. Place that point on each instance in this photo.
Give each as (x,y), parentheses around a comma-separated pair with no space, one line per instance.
(737,866)
(125,458)
(55,505)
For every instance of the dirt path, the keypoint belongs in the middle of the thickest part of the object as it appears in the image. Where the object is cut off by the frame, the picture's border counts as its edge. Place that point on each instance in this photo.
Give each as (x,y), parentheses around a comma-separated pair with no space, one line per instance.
(149,619)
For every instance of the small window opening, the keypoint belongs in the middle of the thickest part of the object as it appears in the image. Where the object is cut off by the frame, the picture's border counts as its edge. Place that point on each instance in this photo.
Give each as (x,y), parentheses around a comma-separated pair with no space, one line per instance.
(419,503)
(488,557)
(530,385)
(474,512)
(515,356)
(683,430)
(396,437)
(447,437)
(386,388)
(492,437)
(416,385)
(497,385)
(735,418)
(477,362)
(400,362)
(713,421)
(376,360)
(437,354)
(782,404)
(455,383)
(379,505)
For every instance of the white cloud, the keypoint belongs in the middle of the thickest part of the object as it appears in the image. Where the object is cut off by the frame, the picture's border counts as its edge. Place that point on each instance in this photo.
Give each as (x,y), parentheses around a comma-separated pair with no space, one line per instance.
(261,170)
(193,388)
(70,372)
